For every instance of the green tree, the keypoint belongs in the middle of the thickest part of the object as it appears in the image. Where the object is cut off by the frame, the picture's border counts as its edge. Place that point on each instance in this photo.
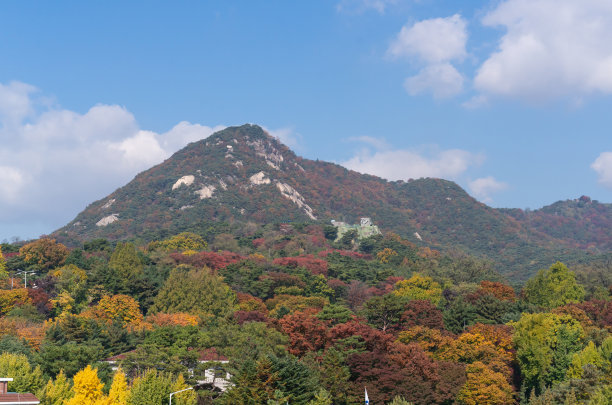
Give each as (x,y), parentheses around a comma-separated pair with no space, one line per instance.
(588,355)
(384,312)
(126,261)
(195,291)
(545,344)
(553,287)
(330,232)
(25,378)
(57,391)
(154,388)
(3,272)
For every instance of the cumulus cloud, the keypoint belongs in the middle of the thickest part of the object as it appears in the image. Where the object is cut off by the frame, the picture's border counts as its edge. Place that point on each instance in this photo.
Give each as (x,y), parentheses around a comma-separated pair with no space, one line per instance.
(433,43)
(53,162)
(409,164)
(550,49)
(443,80)
(603,167)
(483,187)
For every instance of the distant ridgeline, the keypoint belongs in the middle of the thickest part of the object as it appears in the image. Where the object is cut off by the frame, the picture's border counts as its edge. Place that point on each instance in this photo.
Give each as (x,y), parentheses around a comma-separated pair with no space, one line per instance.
(364,229)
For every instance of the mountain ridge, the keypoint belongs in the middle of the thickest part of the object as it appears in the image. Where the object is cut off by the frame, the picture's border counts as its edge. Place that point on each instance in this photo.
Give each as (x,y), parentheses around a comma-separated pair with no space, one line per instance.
(243,174)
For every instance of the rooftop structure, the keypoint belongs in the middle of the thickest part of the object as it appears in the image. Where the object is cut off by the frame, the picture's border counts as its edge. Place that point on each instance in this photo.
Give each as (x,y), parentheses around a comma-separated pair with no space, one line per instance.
(14,398)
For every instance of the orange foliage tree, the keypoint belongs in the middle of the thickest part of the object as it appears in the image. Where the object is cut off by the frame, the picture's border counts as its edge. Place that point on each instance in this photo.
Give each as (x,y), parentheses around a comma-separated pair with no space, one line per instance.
(44,253)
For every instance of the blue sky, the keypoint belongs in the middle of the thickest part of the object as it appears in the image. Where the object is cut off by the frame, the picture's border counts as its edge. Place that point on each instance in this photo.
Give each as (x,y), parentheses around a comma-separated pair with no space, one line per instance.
(510,99)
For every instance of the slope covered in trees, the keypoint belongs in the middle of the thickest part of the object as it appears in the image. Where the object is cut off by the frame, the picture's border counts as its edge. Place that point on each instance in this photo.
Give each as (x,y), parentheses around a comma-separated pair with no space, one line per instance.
(300,319)
(242,174)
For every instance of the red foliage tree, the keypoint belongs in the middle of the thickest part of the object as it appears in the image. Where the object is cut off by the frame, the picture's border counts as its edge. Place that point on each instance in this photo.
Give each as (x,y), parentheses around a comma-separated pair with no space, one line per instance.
(306,332)
(421,313)
(309,262)
(212,260)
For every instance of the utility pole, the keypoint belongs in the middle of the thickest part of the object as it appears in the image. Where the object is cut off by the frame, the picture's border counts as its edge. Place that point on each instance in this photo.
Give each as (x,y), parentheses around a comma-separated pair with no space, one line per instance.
(25,277)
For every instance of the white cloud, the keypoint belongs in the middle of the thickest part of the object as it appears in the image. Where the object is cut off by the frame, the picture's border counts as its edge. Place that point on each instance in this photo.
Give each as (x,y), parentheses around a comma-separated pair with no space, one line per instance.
(15,102)
(12,182)
(551,49)
(443,80)
(286,135)
(433,41)
(407,164)
(603,166)
(483,187)
(53,162)
(360,6)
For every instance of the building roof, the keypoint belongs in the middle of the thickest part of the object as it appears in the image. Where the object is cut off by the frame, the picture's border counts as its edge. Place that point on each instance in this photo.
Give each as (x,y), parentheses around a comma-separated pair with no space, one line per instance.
(18,399)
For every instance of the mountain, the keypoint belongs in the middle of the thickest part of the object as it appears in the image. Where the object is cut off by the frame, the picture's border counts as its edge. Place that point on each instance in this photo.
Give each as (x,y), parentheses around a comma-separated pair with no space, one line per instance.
(242,174)
(581,223)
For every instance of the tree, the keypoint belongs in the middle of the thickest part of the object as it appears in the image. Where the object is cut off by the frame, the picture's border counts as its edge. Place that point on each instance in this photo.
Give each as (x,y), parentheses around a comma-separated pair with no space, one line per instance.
(384,312)
(485,386)
(306,332)
(185,241)
(44,254)
(154,388)
(119,391)
(553,287)
(195,291)
(25,378)
(118,308)
(87,388)
(330,232)
(545,344)
(57,392)
(419,287)
(588,355)
(126,261)
(3,272)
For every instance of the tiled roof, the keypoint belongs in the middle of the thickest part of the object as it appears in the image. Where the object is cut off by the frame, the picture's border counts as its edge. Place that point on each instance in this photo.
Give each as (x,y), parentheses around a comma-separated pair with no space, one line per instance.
(18,399)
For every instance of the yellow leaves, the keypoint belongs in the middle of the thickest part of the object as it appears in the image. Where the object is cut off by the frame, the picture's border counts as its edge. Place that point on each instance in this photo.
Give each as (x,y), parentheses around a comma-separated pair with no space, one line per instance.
(176,319)
(120,307)
(384,255)
(87,388)
(419,287)
(185,242)
(485,386)
(11,298)
(119,391)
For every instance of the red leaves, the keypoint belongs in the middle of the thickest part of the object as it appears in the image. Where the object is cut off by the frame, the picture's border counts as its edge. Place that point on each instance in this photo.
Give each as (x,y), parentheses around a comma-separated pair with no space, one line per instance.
(309,262)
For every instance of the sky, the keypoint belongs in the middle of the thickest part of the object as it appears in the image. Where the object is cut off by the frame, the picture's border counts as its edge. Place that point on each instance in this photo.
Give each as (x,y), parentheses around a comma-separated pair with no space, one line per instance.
(510,99)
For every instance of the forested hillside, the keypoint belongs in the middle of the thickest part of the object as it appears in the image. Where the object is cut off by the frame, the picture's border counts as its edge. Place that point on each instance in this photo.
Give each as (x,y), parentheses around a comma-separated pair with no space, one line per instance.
(284,313)
(242,174)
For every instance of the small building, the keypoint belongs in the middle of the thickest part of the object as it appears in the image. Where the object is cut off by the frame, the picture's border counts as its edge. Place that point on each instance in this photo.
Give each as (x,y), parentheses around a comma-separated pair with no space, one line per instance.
(15,398)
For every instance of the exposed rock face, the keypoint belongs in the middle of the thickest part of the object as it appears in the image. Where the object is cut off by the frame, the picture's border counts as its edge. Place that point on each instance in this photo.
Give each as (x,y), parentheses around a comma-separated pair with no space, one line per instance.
(259,178)
(289,192)
(206,192)
(108,204)
(185,180)
(108,220)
